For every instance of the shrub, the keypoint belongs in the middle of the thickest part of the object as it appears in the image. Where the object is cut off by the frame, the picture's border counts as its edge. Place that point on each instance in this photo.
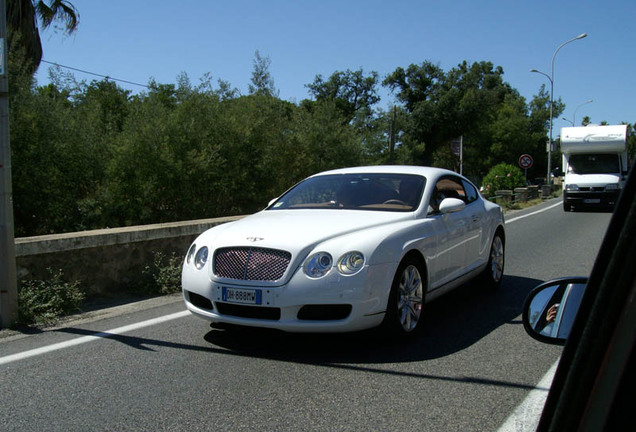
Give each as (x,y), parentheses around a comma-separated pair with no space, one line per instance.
(163,275)
(43,302)
(502,177)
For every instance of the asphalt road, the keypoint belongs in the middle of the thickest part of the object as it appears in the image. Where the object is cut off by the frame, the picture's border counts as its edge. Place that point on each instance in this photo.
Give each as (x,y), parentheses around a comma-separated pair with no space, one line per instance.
(468,371)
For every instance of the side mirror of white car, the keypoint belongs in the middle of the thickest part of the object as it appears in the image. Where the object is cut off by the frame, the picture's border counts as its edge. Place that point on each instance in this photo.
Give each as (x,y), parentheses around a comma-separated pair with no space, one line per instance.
(550,309)
(451,205)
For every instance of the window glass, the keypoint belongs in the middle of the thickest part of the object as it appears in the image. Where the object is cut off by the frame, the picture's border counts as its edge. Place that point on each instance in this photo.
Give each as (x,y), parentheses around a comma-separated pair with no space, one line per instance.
(447,187)
(379,192)
(471,192)
(594,164)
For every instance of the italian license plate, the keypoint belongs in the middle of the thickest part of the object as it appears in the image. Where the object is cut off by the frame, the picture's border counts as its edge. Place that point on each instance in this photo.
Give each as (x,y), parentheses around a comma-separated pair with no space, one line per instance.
(592,201)
(243,296)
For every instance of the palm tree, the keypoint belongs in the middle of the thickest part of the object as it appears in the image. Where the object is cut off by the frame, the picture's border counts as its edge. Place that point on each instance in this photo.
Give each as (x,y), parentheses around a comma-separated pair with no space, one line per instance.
(23,17)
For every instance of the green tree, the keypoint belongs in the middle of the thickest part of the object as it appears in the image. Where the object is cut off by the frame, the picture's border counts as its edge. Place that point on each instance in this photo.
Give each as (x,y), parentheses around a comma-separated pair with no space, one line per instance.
(352,92)
(586,121)
(54,162)
(23,17)
(262,82)
(326,140)
(164,162)
(441,106)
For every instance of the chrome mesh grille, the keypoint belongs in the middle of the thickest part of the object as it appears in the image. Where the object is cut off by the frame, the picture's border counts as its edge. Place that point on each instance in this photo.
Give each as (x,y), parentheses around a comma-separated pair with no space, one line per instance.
(249,263)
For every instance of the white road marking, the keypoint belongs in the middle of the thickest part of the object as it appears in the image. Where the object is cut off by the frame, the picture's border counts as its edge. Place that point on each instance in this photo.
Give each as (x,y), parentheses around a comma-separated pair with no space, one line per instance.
(533,213)
(526,416)
(91,338)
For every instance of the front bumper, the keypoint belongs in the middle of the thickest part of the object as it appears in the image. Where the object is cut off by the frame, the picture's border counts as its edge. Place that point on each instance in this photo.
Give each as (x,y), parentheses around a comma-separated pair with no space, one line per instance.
(334,303)
(591,198)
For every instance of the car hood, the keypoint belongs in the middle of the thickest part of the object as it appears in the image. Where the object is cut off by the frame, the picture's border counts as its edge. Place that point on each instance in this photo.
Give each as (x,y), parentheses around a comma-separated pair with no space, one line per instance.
(296,230)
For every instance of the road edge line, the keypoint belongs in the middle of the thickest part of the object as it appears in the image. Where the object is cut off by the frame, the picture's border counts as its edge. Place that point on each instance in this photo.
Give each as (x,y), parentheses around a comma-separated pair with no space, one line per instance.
(84,339)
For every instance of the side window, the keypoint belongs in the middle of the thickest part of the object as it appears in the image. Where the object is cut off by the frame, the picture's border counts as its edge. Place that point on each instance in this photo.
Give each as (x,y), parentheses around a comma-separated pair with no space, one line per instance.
(471,192)
(448,187)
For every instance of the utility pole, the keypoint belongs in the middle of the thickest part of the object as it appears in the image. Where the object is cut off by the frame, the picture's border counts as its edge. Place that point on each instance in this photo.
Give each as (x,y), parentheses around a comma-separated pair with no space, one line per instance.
(8,281)
(392,136)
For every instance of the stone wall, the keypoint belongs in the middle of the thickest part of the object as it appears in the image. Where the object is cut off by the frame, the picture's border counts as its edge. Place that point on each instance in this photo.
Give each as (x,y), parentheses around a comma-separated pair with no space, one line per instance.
(106,261)
(524,194)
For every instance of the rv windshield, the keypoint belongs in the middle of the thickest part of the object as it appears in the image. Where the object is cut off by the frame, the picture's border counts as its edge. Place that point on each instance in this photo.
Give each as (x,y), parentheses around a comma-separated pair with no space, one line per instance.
(594,164)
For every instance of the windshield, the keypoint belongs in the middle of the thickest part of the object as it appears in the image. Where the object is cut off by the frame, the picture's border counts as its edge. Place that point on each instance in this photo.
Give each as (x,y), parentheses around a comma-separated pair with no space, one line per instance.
(380,192)
(593,164)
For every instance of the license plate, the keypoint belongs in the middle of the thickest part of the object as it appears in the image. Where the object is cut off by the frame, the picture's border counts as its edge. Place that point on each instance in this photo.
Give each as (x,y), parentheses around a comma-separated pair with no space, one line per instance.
(592,201)
(243,296)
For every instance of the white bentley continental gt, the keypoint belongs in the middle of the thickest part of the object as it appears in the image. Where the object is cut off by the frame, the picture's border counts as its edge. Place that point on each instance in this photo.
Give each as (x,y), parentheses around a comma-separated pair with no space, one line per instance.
(346,250)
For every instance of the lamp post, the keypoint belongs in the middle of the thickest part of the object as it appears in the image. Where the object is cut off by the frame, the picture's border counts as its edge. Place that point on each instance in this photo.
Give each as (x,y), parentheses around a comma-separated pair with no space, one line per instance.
(551,78)
(577,108)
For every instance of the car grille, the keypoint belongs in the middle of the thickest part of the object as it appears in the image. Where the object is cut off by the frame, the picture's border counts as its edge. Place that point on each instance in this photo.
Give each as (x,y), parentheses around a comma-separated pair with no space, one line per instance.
(592,189)
(252,264)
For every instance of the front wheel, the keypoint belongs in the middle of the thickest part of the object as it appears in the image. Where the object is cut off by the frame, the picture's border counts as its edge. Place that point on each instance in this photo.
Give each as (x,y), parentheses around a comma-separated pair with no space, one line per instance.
(406,299)
(493,273)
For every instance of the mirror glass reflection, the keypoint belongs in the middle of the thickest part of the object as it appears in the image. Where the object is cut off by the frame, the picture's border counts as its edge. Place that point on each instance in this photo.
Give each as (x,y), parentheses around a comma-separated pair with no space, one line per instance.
(552,309)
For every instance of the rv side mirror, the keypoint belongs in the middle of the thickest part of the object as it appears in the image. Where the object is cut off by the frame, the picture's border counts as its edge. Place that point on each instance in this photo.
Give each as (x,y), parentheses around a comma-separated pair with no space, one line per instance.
(550,309)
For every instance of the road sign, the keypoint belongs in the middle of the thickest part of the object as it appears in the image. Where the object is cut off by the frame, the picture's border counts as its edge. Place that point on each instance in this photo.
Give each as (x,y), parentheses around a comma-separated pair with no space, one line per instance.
(525,161)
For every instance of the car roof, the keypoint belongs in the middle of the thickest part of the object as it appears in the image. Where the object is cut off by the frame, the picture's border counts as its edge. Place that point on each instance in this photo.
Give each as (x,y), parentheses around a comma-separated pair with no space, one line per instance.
(428,172)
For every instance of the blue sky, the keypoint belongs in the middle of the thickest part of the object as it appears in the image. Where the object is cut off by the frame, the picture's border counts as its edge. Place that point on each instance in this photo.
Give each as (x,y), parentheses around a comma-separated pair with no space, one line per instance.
(139,40)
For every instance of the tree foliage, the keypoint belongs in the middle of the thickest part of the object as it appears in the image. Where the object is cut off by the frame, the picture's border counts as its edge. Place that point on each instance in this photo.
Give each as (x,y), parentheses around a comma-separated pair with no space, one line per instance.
(262,82)
(503,176)
(91,155)
(352,92)
(472,101)
(23,17)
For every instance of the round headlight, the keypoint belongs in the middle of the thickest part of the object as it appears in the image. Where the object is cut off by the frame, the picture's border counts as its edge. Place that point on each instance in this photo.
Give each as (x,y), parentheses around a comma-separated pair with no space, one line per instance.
(190,254)
(318,265)
(351,263)
(201,257)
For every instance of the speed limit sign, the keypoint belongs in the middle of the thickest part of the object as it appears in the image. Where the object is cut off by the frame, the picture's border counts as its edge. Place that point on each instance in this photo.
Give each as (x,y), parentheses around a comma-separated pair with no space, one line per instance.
(525,161)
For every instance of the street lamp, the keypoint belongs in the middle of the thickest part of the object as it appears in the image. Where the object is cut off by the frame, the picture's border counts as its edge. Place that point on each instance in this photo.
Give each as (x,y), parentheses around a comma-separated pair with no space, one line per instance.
(577,108)
(551,78)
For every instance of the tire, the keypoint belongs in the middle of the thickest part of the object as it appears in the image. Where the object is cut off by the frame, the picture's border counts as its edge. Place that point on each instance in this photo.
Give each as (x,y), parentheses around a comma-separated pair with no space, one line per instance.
(567,207)
(494,271)
(406,300)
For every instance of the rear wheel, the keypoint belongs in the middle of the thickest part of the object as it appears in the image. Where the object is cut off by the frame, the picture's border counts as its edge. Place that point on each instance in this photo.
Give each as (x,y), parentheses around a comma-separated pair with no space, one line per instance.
(493,273)
(404,308)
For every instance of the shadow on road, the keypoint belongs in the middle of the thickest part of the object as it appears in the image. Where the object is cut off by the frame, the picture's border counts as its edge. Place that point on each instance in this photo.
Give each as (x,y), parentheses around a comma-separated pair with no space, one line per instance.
(451,323)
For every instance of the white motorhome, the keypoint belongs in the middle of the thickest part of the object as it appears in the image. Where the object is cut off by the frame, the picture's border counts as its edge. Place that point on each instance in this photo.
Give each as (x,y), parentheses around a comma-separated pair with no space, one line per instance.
(595,164)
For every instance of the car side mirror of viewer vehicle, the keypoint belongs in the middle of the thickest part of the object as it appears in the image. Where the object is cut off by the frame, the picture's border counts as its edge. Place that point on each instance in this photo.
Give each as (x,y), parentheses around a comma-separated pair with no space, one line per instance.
(550,309)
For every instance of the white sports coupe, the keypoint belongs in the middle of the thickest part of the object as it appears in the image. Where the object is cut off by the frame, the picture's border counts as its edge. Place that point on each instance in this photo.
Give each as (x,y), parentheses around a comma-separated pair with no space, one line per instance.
(346,250)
